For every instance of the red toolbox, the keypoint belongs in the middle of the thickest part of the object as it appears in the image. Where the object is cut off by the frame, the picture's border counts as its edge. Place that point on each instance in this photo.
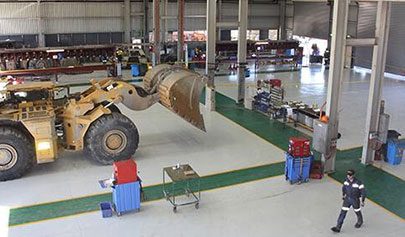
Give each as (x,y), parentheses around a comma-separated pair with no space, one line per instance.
(125,171)
(275,82)
(299,147)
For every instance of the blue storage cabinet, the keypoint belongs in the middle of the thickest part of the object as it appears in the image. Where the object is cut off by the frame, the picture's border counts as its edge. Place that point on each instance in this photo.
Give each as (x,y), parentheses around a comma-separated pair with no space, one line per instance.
(395,151)
(297,169)
(127,197)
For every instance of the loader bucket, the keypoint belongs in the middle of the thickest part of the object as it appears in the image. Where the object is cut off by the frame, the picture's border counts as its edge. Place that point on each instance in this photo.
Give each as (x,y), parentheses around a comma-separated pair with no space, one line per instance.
(152,77)
(180,92)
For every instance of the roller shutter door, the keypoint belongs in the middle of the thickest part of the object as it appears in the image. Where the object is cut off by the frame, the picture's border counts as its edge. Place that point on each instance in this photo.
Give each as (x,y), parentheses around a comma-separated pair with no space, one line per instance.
(311,19)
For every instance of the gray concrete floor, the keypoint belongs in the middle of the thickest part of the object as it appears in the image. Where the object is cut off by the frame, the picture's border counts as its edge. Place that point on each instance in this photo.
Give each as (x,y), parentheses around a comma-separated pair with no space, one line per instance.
(310,86)
(261,208)
(268,207)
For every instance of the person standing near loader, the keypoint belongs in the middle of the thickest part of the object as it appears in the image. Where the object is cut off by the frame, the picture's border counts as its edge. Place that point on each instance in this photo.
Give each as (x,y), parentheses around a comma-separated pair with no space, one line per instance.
(354,194)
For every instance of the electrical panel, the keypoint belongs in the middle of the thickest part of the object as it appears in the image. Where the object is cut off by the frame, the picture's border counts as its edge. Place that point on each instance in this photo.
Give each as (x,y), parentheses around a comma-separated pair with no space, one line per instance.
(319,136)
(383,127)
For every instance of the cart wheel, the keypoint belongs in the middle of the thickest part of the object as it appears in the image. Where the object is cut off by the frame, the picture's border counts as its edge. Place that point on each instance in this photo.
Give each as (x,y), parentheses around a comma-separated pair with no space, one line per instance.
(119,213)
(174,209)
(197,205)
(291,182)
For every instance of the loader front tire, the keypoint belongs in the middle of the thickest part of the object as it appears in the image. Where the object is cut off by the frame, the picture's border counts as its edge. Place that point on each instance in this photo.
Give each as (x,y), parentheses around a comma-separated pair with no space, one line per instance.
(17,153)
(112,137)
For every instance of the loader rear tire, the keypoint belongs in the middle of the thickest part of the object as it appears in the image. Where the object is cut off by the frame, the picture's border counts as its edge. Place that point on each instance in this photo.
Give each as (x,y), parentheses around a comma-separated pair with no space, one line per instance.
(112,137)
(17,153)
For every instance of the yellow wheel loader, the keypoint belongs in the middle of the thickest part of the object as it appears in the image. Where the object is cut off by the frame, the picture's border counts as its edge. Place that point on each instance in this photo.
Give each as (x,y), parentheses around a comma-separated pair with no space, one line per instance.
(38,120)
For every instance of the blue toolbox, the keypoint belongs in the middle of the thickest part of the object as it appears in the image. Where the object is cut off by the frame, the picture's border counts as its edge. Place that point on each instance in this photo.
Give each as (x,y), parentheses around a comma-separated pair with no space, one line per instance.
(395,151)
(297,169)
(127,197)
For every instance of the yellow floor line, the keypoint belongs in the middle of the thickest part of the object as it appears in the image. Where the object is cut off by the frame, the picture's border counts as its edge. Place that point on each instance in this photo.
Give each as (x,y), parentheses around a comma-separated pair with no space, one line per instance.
(226,171)
(149,186)
(209,190)
(88,212)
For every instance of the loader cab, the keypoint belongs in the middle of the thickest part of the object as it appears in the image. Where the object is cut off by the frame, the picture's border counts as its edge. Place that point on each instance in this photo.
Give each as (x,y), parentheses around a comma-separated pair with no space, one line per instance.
(31,91)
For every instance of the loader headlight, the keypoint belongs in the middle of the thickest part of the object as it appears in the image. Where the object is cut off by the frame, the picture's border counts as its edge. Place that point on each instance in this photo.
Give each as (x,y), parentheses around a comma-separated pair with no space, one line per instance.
(42,146)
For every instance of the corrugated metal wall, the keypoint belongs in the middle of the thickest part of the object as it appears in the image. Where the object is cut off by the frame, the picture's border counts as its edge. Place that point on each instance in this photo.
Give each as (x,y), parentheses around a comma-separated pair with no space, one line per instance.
(366,28)
(85,17)
(18,18)
(396,49)
(73,17)
(311,19)
(261,16)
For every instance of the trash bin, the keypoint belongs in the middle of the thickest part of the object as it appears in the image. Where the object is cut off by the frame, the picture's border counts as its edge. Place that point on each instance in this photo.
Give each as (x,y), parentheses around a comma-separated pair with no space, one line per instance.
(392,136)
(395,151)
(247,72)
(135,70)
(106,209)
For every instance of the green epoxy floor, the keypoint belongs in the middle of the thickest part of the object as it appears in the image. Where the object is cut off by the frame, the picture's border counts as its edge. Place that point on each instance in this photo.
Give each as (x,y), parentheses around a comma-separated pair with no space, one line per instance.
(46,211)
(383,188)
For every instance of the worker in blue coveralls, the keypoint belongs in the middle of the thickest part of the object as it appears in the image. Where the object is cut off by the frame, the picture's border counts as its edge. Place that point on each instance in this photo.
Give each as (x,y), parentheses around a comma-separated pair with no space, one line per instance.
(354,195)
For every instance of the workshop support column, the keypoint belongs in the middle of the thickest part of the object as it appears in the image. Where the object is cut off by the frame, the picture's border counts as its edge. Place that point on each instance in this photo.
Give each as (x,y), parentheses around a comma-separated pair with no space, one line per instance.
(219,18)
(156,30)
(242,41)
(41,25)
(330,4)
(164,21)
(210,59)
(282,31)
(146,21)
(180,31)
(336,73)
(376,79)
(127,21)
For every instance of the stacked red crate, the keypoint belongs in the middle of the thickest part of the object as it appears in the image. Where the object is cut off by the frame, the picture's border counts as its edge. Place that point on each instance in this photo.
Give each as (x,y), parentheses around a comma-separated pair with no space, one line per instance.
(275,82)
(299,147)
(125,171)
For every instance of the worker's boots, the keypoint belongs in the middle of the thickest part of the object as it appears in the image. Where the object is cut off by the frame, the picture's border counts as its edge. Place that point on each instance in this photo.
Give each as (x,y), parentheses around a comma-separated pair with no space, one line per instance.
(359,220)
(335,229)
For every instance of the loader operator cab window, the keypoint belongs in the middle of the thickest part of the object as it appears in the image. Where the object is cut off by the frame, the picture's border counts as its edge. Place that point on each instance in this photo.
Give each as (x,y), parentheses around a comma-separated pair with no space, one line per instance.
(34,95)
